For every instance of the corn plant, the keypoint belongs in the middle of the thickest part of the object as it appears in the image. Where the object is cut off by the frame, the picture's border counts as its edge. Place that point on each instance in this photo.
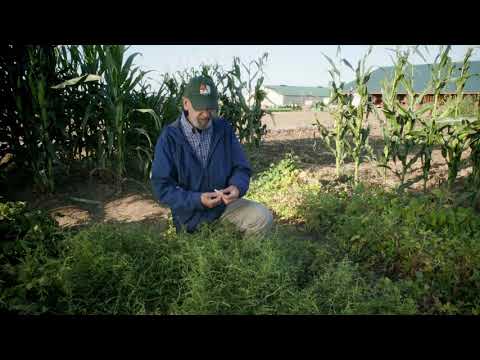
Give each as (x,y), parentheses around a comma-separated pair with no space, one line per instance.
(474,139)
(81,110)
(441,72)
(120,79)
(44,165)
(69,103)
(462,80)
(170,99)
(150,112)
(13,65)
(335,139)
(453,139)
(454,135)
(351,130)
(467,106)
(40,105)
(28,124)
(29,109)
(241,100)
(401,138)
(357,124)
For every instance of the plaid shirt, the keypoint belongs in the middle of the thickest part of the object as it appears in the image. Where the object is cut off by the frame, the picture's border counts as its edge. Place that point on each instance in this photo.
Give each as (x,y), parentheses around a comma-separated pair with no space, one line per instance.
(200,141)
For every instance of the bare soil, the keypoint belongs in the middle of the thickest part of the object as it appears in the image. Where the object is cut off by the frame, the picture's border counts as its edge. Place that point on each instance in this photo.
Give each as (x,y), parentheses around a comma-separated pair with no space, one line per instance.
(83,200)
(291,133)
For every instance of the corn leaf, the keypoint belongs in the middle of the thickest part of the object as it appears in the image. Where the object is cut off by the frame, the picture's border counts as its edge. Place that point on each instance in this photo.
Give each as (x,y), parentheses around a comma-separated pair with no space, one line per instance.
(77,81)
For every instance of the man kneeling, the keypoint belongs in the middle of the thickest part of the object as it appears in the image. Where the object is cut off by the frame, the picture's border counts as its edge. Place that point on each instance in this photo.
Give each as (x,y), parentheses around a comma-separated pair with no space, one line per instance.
(200,170)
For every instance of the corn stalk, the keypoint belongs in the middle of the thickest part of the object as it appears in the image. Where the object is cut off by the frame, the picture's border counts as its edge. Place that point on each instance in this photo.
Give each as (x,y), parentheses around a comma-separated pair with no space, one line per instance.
(146,123)
(474,138)
(440,74)
(241,101)
(40,107)
(80,112)
(453,136)
(120,79)
(358,124)
(401,138)
(335,139)
(28,123)
(351,129)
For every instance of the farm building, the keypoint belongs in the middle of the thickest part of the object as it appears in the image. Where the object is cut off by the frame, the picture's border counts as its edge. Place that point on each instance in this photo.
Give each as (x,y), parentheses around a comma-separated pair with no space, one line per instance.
(421,79)
(304,96)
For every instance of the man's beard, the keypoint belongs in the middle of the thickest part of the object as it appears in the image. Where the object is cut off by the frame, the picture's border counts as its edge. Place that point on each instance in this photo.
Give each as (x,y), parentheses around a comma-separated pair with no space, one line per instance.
(203,122)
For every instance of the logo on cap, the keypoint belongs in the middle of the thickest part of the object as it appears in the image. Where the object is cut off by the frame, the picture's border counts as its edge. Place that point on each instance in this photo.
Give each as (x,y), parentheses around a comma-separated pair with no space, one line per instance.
(204,89)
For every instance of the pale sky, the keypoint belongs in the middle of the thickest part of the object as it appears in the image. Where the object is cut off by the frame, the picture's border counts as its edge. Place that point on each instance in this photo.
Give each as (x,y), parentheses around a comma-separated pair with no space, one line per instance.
(300,65)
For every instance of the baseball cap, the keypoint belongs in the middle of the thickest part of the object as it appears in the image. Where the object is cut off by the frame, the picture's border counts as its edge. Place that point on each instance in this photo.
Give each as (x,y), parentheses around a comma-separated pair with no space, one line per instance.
(201,91)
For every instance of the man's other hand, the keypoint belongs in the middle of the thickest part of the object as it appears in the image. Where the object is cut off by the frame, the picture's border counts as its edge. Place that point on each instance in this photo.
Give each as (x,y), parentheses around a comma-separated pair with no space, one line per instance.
(211,199)
(230,194)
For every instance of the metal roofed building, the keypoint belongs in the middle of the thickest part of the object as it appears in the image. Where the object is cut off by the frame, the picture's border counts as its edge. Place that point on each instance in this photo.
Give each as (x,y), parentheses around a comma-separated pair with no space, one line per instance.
(304,96)
(421,79)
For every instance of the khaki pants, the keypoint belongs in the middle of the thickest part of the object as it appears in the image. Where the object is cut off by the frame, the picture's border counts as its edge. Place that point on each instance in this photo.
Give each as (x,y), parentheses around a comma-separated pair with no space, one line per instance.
(249,216)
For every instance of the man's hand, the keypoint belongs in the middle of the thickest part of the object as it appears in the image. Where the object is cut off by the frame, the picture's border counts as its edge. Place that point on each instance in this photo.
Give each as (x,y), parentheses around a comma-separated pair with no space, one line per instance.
(229,194)
(211,199)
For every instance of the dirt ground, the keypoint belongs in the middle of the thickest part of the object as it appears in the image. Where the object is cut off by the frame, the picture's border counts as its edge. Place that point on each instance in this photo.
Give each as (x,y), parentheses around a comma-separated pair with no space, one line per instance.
(99,202)
(83,199)
(294,132)
(295,120)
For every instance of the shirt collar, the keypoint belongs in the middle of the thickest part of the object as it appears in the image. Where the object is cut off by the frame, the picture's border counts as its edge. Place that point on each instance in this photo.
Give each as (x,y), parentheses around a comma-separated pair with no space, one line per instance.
(187,126)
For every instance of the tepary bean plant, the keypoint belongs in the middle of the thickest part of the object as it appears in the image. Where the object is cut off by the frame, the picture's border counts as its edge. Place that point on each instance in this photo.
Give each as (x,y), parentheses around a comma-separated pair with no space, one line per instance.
(401,137)
(351,130)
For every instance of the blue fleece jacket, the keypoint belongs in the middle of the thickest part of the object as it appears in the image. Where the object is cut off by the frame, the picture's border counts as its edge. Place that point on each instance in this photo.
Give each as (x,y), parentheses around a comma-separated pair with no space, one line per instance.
(178,177)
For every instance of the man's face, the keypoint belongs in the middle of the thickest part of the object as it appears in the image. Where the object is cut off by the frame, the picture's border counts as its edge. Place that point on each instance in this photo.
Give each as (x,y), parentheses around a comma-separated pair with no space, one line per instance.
(198,118)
